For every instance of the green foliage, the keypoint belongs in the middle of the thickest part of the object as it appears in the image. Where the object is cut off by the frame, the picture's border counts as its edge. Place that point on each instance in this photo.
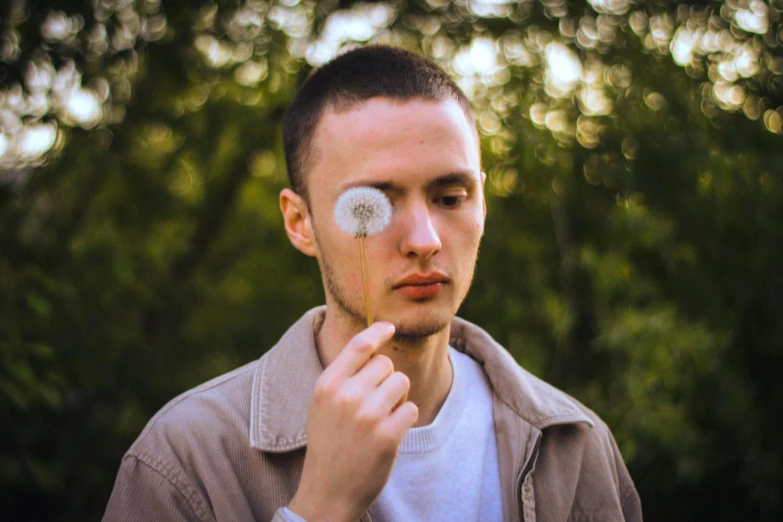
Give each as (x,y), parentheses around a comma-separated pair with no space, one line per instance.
(632,253)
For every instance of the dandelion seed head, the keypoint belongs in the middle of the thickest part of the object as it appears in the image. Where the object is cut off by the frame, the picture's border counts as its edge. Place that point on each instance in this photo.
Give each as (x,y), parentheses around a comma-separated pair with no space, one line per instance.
(363,211)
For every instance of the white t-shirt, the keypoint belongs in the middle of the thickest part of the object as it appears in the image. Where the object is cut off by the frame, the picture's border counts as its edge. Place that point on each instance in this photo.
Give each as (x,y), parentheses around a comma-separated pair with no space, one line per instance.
(448,470)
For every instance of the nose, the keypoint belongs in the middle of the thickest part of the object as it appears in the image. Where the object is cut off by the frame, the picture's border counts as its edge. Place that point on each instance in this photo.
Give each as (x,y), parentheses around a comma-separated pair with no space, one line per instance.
(420,238)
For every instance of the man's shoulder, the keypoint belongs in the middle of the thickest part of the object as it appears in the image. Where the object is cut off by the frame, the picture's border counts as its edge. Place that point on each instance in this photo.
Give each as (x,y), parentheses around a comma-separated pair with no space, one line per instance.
(214,410)
(196,454)
(261,395)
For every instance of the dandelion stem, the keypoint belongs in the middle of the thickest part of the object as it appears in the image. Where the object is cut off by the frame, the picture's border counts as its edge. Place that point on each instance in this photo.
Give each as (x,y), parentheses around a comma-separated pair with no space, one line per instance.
(364,282)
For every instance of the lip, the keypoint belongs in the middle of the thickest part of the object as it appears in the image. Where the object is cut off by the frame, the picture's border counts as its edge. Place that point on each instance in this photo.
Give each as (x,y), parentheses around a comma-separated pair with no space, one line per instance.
(422,279)
(421,286)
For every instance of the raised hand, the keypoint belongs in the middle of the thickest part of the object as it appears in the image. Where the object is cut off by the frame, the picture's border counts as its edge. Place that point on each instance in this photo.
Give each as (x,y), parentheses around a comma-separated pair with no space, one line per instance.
(358,417)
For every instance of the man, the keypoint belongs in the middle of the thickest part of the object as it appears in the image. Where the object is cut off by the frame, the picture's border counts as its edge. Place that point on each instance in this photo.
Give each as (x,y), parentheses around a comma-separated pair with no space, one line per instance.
(421,416)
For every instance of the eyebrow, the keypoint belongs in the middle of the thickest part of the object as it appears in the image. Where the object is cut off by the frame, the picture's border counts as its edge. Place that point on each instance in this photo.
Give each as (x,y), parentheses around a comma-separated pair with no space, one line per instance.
(455,178)
(465,178)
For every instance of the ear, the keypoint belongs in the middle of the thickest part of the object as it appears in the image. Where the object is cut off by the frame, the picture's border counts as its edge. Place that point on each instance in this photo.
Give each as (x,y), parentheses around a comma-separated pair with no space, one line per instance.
(296,218)
(483,196)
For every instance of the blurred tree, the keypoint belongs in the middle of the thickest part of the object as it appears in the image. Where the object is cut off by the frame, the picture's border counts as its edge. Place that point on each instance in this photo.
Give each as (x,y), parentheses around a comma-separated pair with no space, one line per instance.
(632,254)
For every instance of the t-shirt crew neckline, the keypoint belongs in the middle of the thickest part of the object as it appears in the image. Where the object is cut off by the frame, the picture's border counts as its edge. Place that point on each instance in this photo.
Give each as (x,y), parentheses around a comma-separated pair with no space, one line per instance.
(431,437)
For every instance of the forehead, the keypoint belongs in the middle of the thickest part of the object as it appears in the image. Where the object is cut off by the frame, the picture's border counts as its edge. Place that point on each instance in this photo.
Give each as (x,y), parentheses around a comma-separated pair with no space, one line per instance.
(381,140)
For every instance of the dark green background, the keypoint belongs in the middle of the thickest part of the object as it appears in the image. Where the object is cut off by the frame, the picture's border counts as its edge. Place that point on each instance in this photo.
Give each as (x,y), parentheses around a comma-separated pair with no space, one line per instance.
(633,257)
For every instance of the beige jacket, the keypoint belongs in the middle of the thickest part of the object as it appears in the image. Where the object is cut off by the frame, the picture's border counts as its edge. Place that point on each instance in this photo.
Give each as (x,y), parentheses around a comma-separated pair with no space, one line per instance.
(232,449)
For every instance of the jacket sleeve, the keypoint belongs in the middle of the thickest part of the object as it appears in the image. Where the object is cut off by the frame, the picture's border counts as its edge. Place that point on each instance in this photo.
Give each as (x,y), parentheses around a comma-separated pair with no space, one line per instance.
(144,492)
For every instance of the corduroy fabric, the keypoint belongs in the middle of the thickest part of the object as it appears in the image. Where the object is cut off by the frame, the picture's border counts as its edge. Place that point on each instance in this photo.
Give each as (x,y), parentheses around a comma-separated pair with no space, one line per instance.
(232,449)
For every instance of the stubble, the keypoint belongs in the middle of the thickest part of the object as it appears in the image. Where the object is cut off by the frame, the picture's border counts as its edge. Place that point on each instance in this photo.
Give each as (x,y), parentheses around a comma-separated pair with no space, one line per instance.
(406,334)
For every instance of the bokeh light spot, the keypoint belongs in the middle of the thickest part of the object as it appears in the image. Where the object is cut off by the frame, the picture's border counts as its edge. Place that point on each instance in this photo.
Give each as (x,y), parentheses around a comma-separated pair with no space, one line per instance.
(564,70)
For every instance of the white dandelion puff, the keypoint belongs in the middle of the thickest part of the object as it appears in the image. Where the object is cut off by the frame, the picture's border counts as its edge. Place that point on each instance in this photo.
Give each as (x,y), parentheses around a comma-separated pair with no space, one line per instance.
(363,211)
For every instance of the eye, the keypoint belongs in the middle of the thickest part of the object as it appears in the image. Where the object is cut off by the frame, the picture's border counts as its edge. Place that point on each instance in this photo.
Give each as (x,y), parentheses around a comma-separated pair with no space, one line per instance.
(452,200)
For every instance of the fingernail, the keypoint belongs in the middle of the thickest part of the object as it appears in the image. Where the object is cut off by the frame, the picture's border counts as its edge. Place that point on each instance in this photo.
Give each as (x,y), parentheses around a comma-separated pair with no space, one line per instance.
(388,326)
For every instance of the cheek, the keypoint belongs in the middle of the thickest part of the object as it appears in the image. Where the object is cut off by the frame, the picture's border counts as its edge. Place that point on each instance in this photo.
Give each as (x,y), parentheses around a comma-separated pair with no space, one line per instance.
(464,244)
(344,258)
(472,231)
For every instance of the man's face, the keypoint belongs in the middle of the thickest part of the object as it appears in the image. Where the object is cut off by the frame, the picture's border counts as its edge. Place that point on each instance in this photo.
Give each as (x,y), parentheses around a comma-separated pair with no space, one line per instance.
(423,155)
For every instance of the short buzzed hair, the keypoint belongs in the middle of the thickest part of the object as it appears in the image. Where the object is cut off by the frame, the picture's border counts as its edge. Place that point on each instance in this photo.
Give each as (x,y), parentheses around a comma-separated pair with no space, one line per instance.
(373,71)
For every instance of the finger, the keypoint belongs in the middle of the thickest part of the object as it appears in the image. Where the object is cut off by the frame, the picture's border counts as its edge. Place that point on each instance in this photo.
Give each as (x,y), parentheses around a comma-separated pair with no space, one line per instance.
(372,374)
(360,348)
(391,393)
(402,419)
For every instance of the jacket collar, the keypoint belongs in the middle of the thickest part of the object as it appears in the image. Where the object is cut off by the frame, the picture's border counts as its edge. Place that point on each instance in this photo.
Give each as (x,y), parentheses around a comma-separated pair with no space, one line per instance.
(285,377)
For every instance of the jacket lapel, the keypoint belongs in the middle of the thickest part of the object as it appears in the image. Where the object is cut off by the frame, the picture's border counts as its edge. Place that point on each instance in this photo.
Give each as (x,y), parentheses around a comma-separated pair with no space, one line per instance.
(283,387)
(523,407)
(537,402)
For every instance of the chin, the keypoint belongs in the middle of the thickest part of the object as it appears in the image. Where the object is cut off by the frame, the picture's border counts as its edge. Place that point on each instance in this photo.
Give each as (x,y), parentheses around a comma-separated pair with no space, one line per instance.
(416,328)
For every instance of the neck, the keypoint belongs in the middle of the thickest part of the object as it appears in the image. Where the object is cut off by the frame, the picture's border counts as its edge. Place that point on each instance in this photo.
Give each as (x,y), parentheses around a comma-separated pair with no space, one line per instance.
(425,361)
